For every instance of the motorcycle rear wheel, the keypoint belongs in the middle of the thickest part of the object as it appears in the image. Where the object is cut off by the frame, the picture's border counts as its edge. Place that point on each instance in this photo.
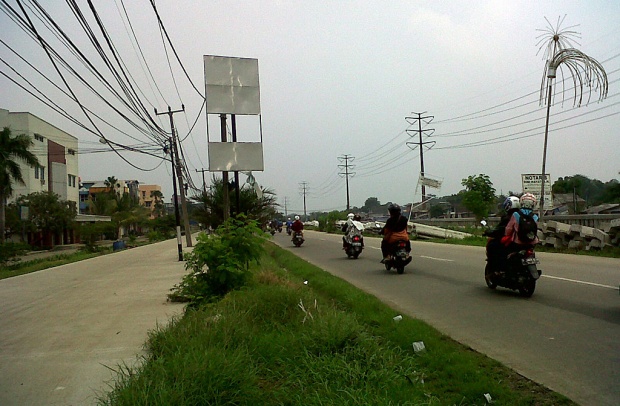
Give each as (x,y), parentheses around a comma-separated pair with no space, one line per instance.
(488,277)
(527,290)
(400,270)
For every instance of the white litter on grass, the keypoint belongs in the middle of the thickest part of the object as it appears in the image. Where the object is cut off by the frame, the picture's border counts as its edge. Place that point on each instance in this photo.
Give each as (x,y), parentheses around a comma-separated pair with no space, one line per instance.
(305,282)
(488,398)
(398,318)
(418,346)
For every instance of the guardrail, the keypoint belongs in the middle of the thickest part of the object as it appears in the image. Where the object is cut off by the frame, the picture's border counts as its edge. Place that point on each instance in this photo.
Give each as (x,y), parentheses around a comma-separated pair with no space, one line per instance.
(600,221)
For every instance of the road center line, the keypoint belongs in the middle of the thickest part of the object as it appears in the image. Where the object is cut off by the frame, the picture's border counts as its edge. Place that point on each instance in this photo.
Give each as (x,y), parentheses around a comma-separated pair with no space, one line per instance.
(582,282)
(437,259)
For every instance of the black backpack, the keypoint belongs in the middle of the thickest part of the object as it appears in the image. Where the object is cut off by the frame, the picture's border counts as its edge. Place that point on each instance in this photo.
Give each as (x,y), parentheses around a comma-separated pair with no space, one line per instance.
(528,229)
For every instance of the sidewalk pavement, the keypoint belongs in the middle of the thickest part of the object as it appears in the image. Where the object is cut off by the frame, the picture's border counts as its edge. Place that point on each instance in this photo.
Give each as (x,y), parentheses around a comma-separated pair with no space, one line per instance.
(62,329)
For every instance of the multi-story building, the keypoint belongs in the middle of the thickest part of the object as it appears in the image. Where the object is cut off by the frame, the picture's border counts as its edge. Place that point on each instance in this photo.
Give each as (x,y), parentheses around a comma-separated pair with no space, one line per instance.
(57,152)
(149,196)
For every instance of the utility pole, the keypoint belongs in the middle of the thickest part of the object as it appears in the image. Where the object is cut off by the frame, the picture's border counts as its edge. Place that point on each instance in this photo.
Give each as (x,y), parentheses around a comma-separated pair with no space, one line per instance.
(304,190)
(188,234)
(177,216)
(285,211)
(428,132)
(204,184)
(226,198)
(346,166)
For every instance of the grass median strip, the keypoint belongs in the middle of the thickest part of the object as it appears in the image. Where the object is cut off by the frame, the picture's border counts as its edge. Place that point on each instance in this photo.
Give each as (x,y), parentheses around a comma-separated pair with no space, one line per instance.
(281,341)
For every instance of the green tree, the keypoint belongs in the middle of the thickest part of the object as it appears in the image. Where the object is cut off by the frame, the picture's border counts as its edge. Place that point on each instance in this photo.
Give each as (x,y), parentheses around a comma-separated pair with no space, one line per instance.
(591,190)
(12,151)
(158,203)
(371,205)
(210,210)
(479,195)
(611,194)
(47,212)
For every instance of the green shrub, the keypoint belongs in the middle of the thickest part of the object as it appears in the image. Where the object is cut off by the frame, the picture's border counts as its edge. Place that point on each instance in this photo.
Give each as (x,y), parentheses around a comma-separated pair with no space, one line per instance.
(11,250)
(219,262)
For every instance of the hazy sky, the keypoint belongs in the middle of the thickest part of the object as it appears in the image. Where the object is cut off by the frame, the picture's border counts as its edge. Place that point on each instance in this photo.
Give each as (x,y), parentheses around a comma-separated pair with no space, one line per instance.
(339,77)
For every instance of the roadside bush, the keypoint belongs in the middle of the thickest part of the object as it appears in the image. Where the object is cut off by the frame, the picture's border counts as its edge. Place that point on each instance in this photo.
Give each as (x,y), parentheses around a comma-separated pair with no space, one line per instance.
(328,223)
(220,262)
(90,233)
(11,250)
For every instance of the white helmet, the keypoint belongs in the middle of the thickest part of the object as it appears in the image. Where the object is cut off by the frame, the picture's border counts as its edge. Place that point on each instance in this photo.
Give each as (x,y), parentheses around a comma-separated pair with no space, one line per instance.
(289,218)
(350,216)
(511,202)
(296,217)
(528,201)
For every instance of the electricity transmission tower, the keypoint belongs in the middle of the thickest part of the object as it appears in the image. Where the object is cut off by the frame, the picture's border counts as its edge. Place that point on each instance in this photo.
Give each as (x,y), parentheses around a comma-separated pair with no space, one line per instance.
(304,191)
(413,145)
(346,166)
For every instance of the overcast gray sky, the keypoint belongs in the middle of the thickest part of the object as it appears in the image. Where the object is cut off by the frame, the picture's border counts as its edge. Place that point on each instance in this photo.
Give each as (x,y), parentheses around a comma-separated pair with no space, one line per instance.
(339,77)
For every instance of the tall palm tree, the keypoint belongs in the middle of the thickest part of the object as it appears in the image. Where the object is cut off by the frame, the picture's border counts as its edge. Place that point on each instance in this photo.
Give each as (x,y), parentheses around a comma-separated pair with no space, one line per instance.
(13,149)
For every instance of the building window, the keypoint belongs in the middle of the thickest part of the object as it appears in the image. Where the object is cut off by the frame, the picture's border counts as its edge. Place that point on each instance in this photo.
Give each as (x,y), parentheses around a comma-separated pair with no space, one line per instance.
(39,172)
(38,137)
(71,151)
(148,204)
(71,180)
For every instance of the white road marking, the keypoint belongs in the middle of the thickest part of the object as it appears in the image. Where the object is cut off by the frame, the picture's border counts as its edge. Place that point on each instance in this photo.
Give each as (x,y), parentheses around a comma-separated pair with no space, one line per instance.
(437,259)
(582,282)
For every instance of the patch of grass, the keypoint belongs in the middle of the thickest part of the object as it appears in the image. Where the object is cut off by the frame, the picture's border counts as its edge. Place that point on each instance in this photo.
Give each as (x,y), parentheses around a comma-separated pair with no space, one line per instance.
(25,267)
(278,341)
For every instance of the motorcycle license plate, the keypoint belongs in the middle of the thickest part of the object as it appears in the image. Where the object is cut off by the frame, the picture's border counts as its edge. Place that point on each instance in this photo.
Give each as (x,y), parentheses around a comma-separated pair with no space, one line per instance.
(357,244)
(530,261)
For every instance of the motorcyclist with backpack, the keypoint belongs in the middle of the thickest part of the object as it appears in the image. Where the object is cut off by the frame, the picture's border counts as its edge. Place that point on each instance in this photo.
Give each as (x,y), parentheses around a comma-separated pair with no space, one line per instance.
(496,252)
(522,229)
(349,229)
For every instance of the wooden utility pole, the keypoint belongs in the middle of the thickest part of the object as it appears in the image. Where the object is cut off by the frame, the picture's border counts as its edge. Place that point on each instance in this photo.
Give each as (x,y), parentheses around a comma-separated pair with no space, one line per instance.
(188,234)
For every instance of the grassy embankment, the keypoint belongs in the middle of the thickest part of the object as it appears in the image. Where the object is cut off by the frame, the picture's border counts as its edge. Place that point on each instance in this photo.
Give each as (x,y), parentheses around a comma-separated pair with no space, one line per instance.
(24,267)
(281,341)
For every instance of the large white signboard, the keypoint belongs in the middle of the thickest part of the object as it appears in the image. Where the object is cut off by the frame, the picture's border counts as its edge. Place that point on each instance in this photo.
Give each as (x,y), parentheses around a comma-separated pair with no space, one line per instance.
(232,85)
(235,156)
(532,184)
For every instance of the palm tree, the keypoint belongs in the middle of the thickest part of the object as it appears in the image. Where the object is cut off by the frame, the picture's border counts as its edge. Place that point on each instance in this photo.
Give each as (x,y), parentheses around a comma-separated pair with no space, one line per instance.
(158,203)
(111,183)
(12,151)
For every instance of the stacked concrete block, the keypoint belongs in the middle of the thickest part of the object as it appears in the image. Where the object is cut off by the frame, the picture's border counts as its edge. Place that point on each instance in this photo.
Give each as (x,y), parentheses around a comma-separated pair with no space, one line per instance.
(613,231)
(576,236)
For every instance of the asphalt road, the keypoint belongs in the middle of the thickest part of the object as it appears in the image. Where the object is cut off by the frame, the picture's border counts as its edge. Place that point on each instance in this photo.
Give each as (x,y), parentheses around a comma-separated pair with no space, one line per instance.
(564,337)
(62,329)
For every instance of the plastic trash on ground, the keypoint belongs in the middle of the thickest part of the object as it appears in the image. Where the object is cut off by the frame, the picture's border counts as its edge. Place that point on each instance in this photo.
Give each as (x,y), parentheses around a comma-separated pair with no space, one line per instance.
(418,346)
(397,318)
(488,398)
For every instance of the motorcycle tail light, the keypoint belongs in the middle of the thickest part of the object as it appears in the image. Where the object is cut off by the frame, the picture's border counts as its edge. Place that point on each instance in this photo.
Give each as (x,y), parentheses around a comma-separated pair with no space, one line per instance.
(530,253)
(402,245)
(356,238)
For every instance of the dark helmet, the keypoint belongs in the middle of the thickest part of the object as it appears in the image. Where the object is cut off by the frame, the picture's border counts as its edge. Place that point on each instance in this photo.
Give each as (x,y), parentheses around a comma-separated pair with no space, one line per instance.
(394,209)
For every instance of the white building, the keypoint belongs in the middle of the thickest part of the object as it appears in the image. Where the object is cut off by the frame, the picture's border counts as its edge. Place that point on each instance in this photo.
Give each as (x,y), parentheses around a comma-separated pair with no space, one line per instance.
(57,152)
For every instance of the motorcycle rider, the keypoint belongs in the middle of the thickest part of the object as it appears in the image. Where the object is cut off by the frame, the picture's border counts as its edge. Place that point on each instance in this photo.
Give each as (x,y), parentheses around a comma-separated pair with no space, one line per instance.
(349,229)
(289,223)
(298,226)
(496,252)
(511,238)
(395,229)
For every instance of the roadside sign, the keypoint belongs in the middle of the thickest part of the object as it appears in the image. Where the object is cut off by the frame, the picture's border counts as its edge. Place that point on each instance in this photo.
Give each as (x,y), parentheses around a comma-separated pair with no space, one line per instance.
(532,184)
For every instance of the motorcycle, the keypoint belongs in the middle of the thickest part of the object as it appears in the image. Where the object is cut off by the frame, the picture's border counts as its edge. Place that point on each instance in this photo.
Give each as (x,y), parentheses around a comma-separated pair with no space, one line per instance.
(288,230)
(354,241)
(518,271)
(399,257)
(298,238)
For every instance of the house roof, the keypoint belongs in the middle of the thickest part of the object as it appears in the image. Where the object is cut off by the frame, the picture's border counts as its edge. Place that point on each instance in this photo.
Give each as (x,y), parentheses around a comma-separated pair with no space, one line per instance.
(607,207)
